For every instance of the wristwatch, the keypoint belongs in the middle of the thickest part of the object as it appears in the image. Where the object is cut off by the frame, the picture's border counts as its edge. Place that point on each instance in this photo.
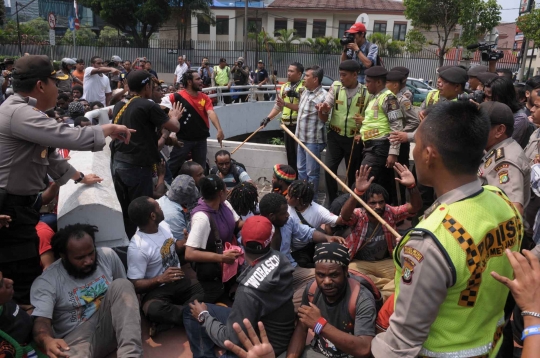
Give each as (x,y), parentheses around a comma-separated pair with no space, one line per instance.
(81,178)
(202,316)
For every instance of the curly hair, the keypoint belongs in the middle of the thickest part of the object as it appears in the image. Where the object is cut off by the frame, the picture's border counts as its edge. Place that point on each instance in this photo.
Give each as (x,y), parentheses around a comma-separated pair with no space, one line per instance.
(303,190)
(244,198)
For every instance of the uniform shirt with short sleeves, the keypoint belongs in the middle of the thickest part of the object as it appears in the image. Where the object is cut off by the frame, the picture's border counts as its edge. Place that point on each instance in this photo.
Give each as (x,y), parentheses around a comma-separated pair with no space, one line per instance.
(95,86)
(200,228)
(261,75)
(70,301)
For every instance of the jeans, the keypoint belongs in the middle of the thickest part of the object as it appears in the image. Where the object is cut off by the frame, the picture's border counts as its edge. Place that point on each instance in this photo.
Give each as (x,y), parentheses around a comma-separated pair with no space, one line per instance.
(308,168)
(198,151)
(200,343)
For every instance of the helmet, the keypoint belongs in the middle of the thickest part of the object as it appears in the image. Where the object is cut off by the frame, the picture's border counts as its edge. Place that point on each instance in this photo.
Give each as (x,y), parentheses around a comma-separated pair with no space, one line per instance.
(116,59)
(68,61)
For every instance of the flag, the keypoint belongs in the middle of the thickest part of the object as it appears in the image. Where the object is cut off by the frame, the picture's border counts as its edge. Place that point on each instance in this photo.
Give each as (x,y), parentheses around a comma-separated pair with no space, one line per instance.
(75,5)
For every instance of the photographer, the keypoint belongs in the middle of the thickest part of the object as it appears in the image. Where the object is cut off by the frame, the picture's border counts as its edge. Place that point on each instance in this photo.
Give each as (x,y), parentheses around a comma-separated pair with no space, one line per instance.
(357,48)
(240,75)
(206,72)
(6,67)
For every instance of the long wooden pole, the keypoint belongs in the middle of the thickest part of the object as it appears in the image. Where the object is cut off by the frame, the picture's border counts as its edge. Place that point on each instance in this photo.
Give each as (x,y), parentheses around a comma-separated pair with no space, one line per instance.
(248,138)
(370,210)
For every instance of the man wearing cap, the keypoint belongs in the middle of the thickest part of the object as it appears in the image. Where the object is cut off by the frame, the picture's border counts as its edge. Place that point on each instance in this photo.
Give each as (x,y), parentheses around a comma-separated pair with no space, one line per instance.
(360,50)
(240,74)
(283,176)
(264,294)
(505,165)
(287,104)
(485,79)
(221,77)
(450,83)
(181,68)
(28,138)
(75,109)
(115,78)
(97,87)
(473,73)
(326,310)
(154,267)
(65,78)
(261,78)
(347,98)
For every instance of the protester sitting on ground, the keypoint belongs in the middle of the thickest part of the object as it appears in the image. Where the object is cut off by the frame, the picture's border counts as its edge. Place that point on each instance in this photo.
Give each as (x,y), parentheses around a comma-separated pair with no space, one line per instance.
(371,243)
(213,224)
(77,92)
(194,170)
(62,102)
(84,306)
(154,267)
(85,104)
(81,121)
(96,105)
(291,233)
(340,312)
(244,199)
(75,109)
(230,171)
(177,205)
(283,176)
(264,294)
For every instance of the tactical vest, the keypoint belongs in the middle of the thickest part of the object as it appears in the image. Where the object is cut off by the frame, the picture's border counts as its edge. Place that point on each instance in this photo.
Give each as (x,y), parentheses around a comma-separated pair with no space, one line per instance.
(222,75)
(288,116)
(375,124)
(342,121)
(471,318)
(432,97)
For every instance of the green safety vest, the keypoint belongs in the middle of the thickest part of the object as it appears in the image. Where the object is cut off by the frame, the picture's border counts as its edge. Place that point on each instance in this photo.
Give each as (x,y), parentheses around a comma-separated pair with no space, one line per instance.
(433,97)
(376,124)
(287,113)
(222,75)
(470,320)
(343,121)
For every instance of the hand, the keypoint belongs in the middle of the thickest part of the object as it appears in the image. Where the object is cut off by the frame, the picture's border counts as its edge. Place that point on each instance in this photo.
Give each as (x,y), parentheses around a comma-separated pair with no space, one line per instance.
(176,111)
(122,133)
(161,169)
(398,137)
(337,239)
(55,348)
(115,71)
(196,308)
(279,101)
(90,179)
(255,348)
(4,220)
(230,256)
(358,138)
(324,108)
(363,181)
(537,159)
(358,119)
(229,86)
(220,137)
(421,115)
(171,274)
(265,121)
(407,178)
(309,315)
(391,160)
(525,286)
(125,83)
(353,46)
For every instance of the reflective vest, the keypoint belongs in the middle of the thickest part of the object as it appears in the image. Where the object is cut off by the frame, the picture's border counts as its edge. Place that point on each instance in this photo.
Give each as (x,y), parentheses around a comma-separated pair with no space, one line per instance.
(433,97)
(471,318)
(288,116)
(343,121)
(222,75)
(375,124)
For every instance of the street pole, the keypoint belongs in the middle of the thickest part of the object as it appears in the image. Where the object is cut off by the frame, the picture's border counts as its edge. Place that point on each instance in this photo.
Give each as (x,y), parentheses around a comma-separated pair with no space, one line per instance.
(523,59)
(245,30)
(18,28)
(530,63)
(74,46)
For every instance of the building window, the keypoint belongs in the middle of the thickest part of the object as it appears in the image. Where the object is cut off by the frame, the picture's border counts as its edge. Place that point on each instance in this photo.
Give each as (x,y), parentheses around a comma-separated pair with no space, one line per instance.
(319,28)
(222,25)
(254,25)
(344,26)
(279,24)
(203,27)
(399,32)
(379,27)
(300,27)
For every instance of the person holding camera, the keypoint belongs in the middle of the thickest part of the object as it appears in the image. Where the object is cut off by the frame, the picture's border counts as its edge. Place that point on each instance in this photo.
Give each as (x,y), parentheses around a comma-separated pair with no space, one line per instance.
(5,79)
(222,77)
(359,49)
(206,72)
(240,75)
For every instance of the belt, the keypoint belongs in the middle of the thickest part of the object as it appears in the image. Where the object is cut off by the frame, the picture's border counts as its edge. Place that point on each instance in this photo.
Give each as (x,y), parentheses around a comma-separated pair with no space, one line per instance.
(374,142)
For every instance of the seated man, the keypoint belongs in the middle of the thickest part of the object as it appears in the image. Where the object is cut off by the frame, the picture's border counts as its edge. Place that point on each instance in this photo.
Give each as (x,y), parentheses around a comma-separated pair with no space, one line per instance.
(229,170)
(370,243)
(292,234)
(342,328)
(264,294)
(154,267)
(283,176)
(84,306)
(193,169)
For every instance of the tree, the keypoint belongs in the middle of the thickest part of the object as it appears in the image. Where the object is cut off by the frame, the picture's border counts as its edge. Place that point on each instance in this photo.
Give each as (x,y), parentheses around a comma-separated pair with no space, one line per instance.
(443,16)
(530,26)
(184,10)
(138,18)
(325,45)
(83,36)
(387,46)
(285,39)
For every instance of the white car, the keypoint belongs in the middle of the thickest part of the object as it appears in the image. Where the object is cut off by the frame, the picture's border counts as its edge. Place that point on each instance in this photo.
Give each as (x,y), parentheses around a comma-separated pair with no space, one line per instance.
(419,85)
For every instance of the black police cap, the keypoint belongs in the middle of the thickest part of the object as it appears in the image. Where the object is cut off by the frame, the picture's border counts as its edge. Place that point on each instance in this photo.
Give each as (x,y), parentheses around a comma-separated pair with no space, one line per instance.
(33,66)
(476,70)
(401,69)
(395,76)
(498,113)
(349,66)
(444,68)
(454,75)
(486,77)
(376,71)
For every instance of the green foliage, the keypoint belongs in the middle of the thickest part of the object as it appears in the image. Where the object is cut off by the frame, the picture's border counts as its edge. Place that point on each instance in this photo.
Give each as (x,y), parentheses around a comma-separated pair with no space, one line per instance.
(530,25)
(35,31)
(277,141)
(325,45)
(285,39)
(261,39)
(387,46)
(183,10)
(415,41)
(83,36)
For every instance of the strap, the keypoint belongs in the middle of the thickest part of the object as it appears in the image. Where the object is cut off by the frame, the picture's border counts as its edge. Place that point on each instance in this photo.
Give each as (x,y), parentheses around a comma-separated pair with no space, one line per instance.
(355,292)
(337,89)
(214,229)
(311,291)
(123,109)
(302,219)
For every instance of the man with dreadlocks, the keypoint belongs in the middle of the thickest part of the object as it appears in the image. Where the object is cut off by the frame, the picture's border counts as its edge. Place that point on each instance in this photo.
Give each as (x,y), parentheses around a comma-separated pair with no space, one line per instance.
(283,176)
(244,199)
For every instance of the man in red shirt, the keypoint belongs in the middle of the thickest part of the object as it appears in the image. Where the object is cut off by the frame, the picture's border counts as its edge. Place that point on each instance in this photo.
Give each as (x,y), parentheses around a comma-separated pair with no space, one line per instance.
(194,123)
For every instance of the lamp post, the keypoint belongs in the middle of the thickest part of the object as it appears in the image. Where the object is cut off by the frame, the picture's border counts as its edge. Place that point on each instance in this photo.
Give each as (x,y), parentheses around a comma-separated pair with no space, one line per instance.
(18,28)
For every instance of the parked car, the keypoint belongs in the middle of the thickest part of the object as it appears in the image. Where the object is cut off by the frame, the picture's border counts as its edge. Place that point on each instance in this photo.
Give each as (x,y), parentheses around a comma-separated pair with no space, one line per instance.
(418,84)
(418,95)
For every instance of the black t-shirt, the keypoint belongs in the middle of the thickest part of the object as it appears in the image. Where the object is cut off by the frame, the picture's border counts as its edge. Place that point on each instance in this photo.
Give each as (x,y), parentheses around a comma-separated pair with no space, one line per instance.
(261,75)
(239,77)
(146,117)
(152,72)
(16,322)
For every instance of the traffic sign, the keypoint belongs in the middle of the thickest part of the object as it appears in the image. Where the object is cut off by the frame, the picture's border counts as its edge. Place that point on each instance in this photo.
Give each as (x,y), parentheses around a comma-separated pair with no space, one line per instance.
(77,24)
(52,21)
(71,23)
(52,37)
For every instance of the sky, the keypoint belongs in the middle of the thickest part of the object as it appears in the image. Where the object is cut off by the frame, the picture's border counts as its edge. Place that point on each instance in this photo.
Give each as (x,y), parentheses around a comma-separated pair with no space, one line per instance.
(510,10)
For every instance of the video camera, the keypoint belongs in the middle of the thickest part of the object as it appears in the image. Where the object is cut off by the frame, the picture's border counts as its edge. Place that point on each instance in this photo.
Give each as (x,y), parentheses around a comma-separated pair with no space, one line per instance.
(488,54)
(478,96)
(347,39)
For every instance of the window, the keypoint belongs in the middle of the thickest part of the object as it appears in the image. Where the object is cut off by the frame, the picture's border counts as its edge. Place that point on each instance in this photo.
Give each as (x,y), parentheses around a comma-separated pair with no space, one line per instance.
(344,26)
(399,32)
(222,25)
(300,27)
(319,28)
(279,24)
(254,25)
(203,27)
(379,27)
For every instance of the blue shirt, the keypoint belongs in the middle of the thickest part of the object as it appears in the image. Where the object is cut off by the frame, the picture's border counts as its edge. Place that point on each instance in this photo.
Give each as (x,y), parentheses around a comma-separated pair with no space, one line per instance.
(294,236)
(175,217)
(372,55)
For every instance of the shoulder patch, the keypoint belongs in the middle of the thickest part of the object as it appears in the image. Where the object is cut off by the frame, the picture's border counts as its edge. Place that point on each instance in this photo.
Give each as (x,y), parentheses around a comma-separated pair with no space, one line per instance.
(391,103)
(408,271)
(488,162)
(500,154)
(501,166)
(411,251)
(503,177)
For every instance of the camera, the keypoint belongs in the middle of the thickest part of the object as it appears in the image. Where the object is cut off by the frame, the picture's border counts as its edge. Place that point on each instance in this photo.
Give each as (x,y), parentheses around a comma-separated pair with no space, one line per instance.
(478,96)
(291,93)
(488,54)
(347,39)
(240,63)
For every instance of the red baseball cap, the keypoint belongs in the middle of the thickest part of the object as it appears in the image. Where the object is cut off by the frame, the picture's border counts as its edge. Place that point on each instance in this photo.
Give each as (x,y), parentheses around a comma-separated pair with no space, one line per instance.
(358,27)
(257,234)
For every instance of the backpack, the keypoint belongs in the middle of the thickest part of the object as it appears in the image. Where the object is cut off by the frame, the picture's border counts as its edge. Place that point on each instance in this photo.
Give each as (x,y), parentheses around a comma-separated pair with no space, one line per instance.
(234,170)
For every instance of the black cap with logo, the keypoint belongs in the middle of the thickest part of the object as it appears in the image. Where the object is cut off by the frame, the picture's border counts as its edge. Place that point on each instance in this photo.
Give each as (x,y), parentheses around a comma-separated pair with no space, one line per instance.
(33,66)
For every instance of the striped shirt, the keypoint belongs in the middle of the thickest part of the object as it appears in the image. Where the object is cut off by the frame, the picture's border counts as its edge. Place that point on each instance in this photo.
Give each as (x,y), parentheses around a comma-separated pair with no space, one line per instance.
(309,128)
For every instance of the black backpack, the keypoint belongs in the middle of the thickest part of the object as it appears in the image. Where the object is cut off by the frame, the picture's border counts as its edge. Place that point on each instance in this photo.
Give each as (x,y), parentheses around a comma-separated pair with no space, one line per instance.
(234,170)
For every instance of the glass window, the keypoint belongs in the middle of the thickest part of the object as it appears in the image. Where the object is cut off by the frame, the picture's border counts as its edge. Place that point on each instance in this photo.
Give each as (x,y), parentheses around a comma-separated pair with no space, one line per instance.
(319,28)
(300,27)
(203,27)
(379,27)
(399,32)
(222,25)
(344,26)
(254,25)
(279,24)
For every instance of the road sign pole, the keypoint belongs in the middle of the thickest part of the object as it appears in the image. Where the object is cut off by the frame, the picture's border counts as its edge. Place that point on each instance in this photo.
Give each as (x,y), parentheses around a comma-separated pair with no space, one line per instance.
(74,46)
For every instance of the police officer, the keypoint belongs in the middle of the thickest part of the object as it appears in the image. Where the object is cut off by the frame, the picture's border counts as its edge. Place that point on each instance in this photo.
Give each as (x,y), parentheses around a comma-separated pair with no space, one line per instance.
(287,103)
(347,99)
(450,83)
(473,73)
(28,139)
(221,76)
(505,165)
(446,302)
(64,76)
(485,79)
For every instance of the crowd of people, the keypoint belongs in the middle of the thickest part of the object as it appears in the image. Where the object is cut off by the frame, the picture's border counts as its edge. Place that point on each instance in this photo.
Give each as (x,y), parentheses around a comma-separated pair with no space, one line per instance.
(208,253)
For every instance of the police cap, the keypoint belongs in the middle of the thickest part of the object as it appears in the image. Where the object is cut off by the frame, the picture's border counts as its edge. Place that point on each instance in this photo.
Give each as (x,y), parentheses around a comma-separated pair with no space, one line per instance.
(476,70)
(401,69)
(454,75)
(444,68)
(349,66)
(33,66)
(395,76)
(486,77)
(376,71)
(498,113)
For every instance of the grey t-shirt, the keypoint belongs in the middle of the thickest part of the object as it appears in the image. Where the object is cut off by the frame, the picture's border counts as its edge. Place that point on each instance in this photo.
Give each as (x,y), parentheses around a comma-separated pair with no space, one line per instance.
(69,301)
(377,248)
(337,314)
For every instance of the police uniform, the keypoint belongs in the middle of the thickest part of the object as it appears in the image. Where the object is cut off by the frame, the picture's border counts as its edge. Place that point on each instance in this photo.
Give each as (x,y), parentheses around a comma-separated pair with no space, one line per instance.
(222,77)
(289,118)
(446,304)
(28,139)
(65,81)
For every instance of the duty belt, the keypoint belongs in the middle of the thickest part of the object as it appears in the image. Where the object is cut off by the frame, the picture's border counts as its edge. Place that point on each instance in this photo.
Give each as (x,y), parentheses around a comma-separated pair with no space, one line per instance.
(338,130)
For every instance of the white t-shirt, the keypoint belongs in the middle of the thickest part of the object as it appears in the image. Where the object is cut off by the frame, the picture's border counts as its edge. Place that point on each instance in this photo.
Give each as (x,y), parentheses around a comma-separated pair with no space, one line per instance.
(95,86)
(315,215)
(200,228)
(179,72)
(149,255)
